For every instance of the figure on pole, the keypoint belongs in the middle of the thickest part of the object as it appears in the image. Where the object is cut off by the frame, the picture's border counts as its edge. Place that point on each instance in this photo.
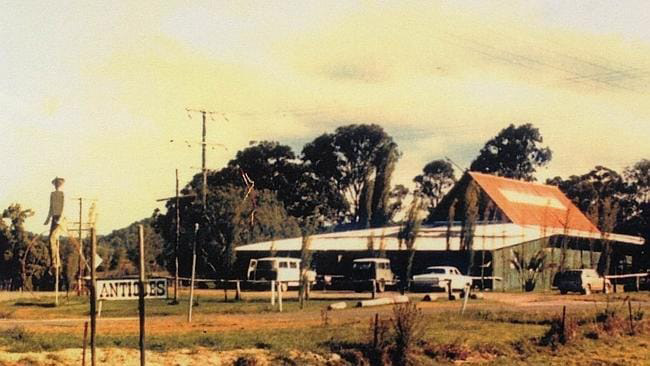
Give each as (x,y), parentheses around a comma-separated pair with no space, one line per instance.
(56,229)
(56,209)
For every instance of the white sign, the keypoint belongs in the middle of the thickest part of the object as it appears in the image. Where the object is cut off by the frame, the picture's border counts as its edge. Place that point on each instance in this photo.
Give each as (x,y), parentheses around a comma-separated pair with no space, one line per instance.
(532,199)
(127,289)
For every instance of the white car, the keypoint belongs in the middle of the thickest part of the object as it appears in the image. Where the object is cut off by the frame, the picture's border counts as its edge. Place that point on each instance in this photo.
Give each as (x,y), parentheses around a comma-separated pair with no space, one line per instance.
(438,278)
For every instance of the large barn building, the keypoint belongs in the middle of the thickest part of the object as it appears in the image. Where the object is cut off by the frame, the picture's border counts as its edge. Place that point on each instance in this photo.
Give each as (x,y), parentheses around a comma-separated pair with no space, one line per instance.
(512,219)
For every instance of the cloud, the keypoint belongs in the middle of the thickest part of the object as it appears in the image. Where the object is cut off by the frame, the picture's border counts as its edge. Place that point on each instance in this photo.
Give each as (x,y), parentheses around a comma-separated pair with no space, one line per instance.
(441,78)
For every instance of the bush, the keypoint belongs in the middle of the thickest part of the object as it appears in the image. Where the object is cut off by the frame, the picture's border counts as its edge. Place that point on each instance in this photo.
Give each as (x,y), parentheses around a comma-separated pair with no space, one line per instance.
(408,327)
(560,332)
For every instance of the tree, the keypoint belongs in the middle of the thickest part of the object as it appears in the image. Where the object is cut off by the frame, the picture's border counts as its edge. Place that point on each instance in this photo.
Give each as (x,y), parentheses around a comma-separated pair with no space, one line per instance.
(396,199)
(357,160)
(613,202)
(637,220)
(407,235)
(231,221)
(24,260)
(516,152)
(437,177)
(269,164)
(124,244)
(589,191)
(275,167)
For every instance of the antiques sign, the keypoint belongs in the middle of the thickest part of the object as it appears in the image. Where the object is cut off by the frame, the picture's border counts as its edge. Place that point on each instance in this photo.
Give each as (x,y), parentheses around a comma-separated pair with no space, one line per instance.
(127,289)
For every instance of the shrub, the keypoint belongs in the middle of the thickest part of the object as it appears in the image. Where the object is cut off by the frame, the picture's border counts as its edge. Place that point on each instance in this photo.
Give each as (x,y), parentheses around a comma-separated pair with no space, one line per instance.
(408,327)
(561,331)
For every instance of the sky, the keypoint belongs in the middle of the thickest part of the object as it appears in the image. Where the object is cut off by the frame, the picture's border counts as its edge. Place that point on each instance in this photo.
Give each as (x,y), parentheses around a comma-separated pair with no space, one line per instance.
(95,92)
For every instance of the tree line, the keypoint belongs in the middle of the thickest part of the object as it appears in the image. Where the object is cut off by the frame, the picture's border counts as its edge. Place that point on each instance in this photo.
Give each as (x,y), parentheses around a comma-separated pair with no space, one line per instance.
(340,180)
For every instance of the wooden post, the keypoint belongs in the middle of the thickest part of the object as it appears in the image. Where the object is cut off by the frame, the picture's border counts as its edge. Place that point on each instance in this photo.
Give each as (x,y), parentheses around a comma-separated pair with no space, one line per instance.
(238,291)
(141,294)
(225,290)
(93,296)
(629,306)
(279,295)
(563,320)
(373,283)
(308,288)
(178,237)
(467,290)
(83,354)
(99,308)
(272,293)
(81,246)
(56,284)
(189,310)
(375,341)
(450,295)
(637,283)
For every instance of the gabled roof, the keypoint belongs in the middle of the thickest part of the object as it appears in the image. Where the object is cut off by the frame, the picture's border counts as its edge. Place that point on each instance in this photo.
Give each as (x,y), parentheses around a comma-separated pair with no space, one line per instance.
(529,203)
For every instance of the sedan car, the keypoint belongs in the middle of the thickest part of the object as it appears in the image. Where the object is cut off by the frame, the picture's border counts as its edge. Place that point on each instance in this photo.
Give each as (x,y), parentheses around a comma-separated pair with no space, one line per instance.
(439,277)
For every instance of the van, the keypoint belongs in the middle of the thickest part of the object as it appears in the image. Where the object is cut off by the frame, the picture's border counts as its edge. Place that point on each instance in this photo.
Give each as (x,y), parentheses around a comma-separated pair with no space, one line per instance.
(584,281)
(365,270)
(281,269)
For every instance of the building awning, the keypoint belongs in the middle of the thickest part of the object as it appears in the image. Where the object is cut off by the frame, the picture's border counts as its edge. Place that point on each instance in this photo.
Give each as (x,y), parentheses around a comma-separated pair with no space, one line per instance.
(487,236)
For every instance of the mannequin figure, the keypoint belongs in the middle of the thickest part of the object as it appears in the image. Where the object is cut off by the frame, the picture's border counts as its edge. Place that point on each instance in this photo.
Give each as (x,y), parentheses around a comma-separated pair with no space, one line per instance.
(56,210)
(56,204)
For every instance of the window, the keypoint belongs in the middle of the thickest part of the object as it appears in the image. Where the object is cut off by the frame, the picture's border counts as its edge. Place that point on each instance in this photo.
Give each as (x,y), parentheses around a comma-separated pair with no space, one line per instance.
(284,265)
(264,265)
(293,265)
(436,270)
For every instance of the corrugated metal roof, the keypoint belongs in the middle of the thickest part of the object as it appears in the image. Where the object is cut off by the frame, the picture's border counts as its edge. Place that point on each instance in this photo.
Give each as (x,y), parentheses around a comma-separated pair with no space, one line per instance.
(528,203)
(432,238)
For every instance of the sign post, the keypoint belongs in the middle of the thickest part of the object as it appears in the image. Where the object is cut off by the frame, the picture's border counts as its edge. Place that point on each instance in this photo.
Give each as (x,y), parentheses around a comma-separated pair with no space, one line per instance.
(93,296)
(141,294)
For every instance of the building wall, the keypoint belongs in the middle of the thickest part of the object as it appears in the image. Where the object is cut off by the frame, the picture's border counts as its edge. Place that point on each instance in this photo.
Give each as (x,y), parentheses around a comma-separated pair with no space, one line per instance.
(577,255)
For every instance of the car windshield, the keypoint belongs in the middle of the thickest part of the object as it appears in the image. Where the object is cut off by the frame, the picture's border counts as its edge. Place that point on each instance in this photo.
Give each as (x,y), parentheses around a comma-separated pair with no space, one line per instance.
(571,275)
(265,265)
(360,266)
(435,271)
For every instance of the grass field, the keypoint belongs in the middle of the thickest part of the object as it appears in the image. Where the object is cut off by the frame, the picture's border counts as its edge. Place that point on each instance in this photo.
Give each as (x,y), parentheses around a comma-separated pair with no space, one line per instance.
(504,329)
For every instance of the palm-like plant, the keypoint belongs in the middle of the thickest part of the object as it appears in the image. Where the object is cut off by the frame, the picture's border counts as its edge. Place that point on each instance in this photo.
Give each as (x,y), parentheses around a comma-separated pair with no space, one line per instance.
(530,269)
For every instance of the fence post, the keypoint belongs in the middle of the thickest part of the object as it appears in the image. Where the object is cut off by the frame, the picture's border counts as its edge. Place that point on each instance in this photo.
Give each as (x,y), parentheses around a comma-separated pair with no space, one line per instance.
(375,340)
(374,288)
(238,291)
(83,354)
(272,293)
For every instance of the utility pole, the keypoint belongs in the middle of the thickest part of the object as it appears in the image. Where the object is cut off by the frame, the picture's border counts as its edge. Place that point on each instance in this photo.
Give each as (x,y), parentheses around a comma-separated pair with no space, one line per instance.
(204,193)
(81,246)
(177,199)
(178,238)
(80,229)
